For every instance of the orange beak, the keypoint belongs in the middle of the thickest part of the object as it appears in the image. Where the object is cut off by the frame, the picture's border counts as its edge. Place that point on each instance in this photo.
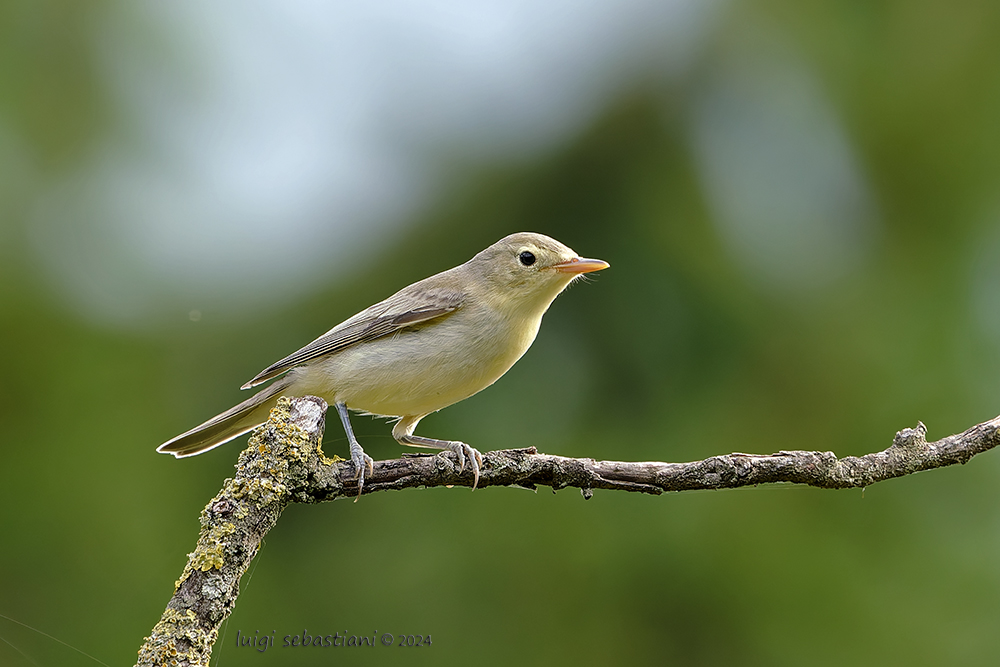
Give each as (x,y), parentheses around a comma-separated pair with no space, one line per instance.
(580,265)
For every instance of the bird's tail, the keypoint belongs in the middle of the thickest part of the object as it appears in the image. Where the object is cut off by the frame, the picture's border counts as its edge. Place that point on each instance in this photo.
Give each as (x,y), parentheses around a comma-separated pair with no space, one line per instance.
(232,423)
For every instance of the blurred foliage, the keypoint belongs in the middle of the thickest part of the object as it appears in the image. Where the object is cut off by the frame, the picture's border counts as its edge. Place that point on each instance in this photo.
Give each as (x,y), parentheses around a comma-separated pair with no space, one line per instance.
(672,354)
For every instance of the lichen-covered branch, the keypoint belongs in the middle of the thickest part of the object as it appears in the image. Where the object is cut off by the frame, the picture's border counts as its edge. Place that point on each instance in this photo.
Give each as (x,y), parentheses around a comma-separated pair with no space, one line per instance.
(284,463)
(278,460)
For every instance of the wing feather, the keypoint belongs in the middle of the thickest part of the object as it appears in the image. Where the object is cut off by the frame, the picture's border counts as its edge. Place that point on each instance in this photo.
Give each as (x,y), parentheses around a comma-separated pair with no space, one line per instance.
(412,305)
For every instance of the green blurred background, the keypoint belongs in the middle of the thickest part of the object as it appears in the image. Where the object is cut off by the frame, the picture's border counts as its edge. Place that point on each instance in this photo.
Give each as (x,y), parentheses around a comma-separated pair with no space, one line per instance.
(800,205)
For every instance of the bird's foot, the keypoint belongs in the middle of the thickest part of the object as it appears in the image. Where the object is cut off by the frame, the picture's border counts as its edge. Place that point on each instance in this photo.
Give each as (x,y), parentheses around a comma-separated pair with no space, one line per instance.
(466,453)
(461,450)
(361,461)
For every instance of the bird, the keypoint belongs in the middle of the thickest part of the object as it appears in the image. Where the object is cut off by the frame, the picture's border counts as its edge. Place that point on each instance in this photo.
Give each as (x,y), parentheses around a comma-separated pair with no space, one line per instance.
(429,345)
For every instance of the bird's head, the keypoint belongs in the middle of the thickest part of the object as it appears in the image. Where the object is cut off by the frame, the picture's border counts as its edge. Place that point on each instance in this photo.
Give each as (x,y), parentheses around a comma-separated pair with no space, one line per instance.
(528,270)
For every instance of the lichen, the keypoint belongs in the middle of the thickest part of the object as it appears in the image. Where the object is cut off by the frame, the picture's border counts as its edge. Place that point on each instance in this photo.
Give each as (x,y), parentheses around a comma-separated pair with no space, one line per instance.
(211,555)
(177,638)
(210,552)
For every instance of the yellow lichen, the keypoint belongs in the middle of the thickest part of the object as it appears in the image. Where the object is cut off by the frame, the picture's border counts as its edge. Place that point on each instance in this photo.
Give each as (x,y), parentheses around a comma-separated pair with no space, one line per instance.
(211,545)
(161,647)
(210,552)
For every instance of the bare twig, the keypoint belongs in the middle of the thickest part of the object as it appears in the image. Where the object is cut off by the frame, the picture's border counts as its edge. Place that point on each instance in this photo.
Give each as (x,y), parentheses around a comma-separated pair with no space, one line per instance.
(284,463)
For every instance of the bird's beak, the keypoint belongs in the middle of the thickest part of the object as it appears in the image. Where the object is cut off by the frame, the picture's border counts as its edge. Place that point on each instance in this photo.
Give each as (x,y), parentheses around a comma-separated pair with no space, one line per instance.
(580,265)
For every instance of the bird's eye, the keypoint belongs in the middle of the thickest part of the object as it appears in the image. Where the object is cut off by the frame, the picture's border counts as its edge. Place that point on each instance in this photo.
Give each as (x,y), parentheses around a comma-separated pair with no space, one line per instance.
(526,258)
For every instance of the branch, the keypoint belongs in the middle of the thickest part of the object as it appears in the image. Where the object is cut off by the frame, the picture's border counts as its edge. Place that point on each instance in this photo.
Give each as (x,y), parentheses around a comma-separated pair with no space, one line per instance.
(283,463)
(233,524)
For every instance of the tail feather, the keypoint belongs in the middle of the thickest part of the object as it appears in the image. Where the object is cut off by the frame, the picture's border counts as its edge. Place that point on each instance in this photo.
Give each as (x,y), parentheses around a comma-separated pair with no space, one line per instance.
(232,423)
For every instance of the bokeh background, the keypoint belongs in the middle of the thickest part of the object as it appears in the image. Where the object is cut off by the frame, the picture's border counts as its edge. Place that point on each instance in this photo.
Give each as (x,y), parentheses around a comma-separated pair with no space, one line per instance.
(801,206)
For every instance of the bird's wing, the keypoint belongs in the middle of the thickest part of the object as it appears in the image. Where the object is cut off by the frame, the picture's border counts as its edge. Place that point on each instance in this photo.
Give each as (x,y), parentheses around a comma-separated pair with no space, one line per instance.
(411,305)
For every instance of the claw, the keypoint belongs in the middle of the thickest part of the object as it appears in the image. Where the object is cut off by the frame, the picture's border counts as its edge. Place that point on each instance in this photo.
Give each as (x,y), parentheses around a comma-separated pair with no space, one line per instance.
(463,452)
(478,459)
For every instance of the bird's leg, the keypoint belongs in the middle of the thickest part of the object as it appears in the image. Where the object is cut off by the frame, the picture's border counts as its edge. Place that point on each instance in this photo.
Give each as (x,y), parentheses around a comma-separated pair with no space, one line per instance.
(358,456)
(403,433)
